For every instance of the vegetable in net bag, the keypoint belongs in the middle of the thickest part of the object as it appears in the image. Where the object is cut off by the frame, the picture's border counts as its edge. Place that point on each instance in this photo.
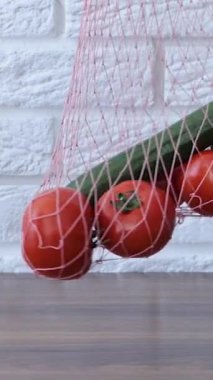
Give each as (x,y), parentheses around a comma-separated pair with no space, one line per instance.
(133,152)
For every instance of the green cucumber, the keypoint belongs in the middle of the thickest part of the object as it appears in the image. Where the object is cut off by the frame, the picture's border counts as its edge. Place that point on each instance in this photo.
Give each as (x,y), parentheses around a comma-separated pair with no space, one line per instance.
(143,161)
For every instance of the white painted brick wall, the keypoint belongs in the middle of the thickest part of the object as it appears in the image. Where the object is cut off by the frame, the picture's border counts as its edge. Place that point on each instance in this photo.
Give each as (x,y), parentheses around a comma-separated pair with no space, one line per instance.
(12,199)
(118,66)
(34,79)
(32,18)
(38,40)
(188,83)
(32,141)
(179,18)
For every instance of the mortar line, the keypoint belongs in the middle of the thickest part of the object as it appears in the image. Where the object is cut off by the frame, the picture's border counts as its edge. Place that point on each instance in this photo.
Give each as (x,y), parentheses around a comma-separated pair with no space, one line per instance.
(20,180)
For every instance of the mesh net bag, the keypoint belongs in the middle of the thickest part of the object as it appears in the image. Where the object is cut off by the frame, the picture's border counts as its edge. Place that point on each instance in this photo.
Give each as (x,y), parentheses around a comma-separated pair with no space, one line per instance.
(137,124)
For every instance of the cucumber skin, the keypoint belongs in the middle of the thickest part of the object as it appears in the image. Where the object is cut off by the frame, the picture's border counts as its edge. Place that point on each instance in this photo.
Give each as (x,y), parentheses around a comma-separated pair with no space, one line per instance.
(120,166)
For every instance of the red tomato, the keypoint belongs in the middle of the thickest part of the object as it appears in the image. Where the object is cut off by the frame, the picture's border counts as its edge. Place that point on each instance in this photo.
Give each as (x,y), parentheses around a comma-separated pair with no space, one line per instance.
(194,183)
(166,184)
(135,219)
(56,231)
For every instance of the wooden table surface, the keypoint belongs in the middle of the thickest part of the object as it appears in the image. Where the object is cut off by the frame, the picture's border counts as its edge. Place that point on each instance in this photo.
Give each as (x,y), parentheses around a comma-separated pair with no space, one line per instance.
(117,327)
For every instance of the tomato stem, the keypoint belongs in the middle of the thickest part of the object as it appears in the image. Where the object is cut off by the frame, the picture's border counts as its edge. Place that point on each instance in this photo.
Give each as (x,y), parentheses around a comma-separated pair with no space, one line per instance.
(127,202)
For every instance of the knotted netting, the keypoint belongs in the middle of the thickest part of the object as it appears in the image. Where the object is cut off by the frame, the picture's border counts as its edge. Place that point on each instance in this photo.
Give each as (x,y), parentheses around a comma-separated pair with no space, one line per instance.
(136,123)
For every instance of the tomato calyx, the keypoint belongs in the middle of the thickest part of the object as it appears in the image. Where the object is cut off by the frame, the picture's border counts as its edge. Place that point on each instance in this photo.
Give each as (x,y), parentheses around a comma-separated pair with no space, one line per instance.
(126,202)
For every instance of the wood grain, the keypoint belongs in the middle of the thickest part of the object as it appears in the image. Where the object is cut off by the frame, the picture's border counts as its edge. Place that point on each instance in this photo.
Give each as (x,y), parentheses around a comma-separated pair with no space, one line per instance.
(107,327)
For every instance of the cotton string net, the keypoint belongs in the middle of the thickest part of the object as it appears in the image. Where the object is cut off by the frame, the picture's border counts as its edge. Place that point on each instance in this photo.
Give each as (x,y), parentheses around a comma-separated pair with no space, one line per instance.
(140,66)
